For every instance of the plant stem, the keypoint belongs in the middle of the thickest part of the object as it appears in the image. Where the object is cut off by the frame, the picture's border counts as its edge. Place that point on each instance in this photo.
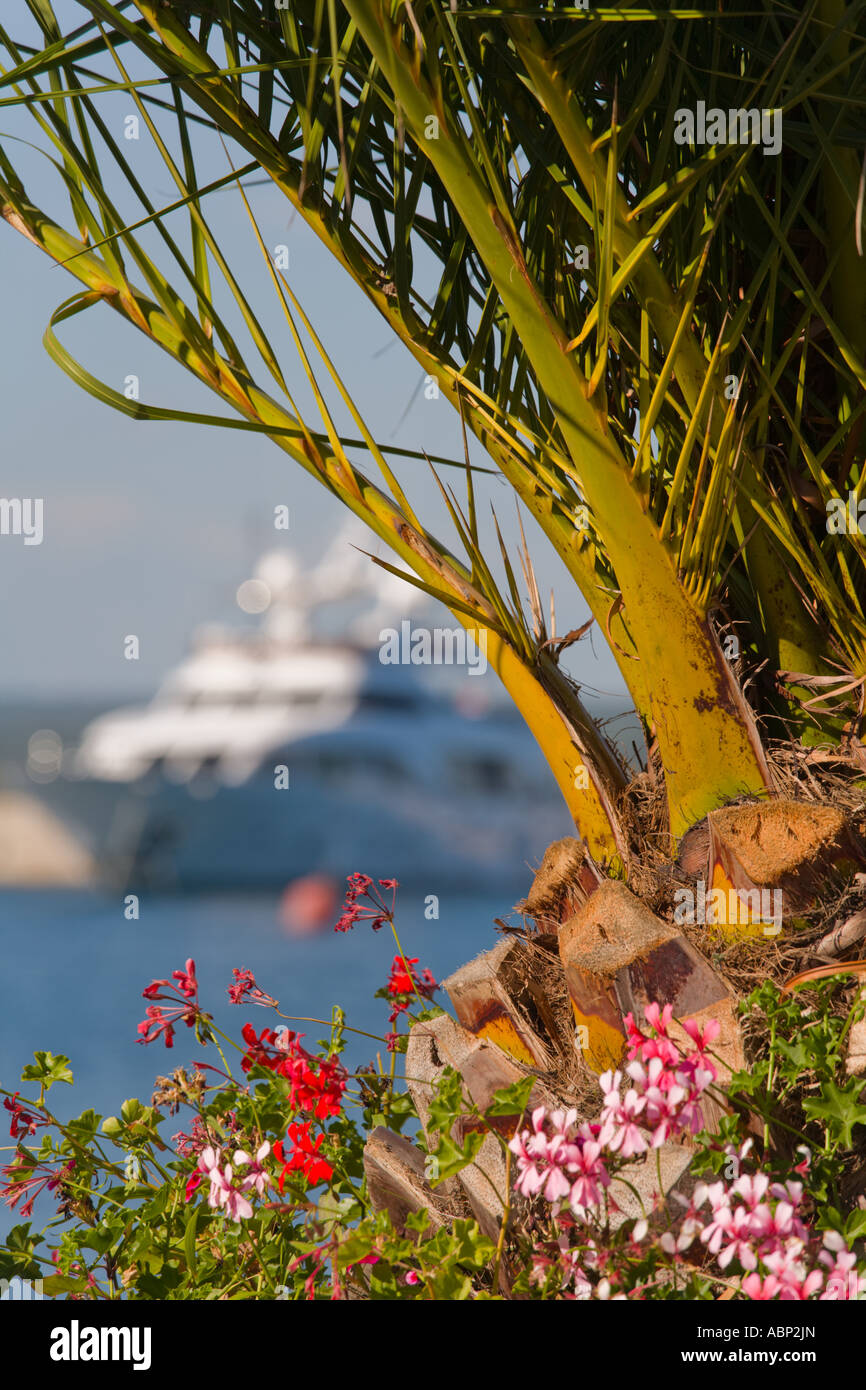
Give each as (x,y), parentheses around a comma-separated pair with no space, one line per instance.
(770,1080)
(327,1023)
(506,1212)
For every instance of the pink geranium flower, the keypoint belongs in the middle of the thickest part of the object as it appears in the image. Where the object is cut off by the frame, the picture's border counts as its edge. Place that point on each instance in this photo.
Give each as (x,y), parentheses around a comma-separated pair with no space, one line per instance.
(557,1159)
(620,1131)
(737,1231)
(255,1176)
(755,1287)
(702,1037)
(757,1224)
(223,1191)
(592,1176)
(207,1165)
(232,1198)
(541,1160)
(843,1282)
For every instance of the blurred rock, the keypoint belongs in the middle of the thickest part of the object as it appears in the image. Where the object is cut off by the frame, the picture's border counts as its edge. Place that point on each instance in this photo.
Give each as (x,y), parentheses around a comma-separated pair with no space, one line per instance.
(36,851)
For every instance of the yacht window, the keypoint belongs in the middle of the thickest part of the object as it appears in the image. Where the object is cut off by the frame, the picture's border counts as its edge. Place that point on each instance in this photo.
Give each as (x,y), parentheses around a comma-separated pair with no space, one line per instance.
(293,698)
(387,701)
(274,699)
(338,765)
(480,774)
(213,699)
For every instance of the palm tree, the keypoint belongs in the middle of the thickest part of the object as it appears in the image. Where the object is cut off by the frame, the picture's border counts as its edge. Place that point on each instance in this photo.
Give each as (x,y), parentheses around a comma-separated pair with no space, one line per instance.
(652,319)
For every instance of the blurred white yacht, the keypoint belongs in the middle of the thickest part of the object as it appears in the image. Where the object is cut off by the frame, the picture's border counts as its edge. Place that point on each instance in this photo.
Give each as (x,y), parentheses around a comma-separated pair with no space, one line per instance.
(273,754)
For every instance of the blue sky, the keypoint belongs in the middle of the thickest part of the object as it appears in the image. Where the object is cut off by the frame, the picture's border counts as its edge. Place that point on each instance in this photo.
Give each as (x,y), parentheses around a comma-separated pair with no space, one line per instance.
(150,527)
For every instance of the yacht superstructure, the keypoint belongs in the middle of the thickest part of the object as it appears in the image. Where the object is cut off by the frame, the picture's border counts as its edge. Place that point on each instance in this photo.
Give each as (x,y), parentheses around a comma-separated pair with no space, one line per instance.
(276,753)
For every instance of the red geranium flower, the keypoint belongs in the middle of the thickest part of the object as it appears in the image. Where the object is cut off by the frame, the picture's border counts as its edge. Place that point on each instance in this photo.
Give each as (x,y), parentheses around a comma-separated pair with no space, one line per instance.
(405,981)
(317,1083)
(320,1091)
(257,1048)
(245,985)
(305,1157)
(400,980)
(23,1122)
(375,911)
(27,1177)
(184,1005)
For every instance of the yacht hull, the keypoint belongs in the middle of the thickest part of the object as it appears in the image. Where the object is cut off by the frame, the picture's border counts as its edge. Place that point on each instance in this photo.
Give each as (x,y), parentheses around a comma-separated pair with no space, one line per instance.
(167,838)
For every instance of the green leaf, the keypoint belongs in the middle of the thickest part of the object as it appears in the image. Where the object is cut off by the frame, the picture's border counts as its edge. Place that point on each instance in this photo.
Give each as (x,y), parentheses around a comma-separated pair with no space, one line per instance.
(85,1126)
(334,1211)
(447,1102)
(417,1221)
(189,1236)
(748,1082)
(102,1238)
(451,1158)
(511,1100)
(798,1054)
(839,1109)
(48,1069)
(56,1284)
(19,1238)
(855,1226)
(157,1286)
(17,1257)
(452,1284)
